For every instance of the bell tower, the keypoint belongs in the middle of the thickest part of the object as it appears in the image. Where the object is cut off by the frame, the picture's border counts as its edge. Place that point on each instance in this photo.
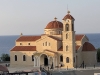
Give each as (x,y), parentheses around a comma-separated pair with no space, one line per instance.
(68,35)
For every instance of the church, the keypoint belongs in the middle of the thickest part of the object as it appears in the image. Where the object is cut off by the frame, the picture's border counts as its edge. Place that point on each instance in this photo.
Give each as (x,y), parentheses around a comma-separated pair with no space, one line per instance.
(57,45)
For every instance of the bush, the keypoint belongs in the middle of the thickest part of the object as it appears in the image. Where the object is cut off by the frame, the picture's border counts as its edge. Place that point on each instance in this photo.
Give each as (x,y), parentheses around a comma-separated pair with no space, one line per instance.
(5,57)
(98,55)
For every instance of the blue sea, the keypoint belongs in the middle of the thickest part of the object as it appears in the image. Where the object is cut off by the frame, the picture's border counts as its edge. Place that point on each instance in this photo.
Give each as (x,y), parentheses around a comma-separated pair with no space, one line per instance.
(8,42)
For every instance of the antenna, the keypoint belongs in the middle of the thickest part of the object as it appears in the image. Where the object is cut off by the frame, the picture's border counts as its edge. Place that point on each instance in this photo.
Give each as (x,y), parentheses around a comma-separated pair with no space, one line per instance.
(67,7)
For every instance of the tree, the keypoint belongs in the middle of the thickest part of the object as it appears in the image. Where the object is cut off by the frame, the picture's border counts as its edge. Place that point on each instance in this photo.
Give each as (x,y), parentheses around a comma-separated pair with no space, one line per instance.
(98,55)
(5,57)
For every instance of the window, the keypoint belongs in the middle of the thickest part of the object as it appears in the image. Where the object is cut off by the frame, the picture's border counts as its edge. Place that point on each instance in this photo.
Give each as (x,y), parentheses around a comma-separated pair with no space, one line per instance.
(74,59)
(66,36)
(72,27)
(20,43)
(32,57)
(59,32)
(24,58)
(61,58)
(66,48)
(45,43)
(67,60)
(15,57)
(67,27)
(49,44)
(28,43)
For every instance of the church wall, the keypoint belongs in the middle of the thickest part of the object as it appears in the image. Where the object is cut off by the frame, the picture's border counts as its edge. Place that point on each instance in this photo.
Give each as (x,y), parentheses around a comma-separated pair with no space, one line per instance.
(20,61)
(53,31)
(89,57)
(79,57)
(51,45)
(26,43)
(59,44)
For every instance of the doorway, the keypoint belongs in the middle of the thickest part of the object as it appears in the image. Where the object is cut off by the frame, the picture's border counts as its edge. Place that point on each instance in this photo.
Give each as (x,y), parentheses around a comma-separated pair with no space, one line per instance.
(45,61)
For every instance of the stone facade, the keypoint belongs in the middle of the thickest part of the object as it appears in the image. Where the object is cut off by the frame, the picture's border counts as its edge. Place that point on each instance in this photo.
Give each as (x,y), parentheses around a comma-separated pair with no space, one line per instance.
(58,45)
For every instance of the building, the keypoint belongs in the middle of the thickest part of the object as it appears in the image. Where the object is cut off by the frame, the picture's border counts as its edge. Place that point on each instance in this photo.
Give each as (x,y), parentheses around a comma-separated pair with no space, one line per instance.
(58,45)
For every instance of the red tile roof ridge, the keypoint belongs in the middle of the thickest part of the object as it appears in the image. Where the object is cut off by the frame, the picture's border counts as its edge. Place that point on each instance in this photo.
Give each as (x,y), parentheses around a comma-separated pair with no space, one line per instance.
(24,48)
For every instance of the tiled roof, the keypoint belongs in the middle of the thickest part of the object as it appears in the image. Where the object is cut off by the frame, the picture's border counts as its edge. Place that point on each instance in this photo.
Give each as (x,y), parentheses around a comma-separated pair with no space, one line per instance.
(61,48)
(77,47)
(28,38)
(54,38)
(54,25)
(24,48)
(78,37)
(88,47)
(3,68)
(68,16)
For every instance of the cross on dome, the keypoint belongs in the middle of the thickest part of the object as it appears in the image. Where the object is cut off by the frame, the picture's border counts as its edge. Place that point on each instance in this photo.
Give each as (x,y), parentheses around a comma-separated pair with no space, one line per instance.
(68,12)
(55,19)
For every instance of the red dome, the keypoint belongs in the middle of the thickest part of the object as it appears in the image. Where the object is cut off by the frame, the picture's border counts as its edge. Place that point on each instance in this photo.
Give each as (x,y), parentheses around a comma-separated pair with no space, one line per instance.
(88,47)
(68,16)
(54,25)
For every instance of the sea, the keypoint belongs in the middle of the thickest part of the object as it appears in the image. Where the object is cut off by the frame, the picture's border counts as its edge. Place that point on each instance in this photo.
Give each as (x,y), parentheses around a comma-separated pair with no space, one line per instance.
(8,42)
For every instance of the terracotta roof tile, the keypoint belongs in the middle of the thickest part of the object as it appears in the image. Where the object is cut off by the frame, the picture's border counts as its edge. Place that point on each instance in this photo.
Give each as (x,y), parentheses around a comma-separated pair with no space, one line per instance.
(61,48)
(68,16)
(28,38)
(77,47)
(24,48)
(78,37)
(54,24)
(88,47)
(3,68)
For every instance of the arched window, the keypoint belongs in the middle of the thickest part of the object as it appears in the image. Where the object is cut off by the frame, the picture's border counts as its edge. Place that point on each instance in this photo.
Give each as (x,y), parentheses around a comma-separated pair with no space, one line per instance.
(32,57)
(67,27)
(66,36)
(74,59)
(24,58)
(61,58)
(66,48)
(15,57)
(67,60)
(72,27)
(45,43)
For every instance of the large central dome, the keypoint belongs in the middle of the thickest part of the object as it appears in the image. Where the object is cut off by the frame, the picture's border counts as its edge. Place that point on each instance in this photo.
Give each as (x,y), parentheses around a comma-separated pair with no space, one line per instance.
(54,25)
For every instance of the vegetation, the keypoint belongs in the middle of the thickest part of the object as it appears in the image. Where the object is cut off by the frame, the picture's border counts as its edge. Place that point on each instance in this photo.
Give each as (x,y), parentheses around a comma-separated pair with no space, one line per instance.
(98,55)
(5,57)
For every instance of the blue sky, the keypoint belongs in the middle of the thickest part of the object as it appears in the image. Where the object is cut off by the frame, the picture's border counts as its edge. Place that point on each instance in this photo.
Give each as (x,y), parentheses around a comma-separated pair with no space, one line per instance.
(30,17)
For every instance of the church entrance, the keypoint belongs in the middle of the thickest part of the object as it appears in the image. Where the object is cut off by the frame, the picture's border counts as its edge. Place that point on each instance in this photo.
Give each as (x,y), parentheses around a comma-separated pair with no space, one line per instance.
(45,61)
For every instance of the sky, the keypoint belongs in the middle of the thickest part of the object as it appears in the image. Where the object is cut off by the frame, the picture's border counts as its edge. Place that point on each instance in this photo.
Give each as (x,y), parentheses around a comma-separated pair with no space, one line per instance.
(30,17)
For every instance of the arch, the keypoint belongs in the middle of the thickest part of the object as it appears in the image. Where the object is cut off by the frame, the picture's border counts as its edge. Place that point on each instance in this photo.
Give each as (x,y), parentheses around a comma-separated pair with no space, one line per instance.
(61,58)
(43,59)
(32,57)
(15,57)
(67,27)
(67,60)
(24,58)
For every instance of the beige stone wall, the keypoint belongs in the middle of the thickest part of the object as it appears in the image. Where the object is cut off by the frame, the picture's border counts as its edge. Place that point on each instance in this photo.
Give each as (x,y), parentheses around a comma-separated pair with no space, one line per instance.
(53,31)
(79,58)
(51,44)
(89,57)
(85,39)
(26,43)
(20,61)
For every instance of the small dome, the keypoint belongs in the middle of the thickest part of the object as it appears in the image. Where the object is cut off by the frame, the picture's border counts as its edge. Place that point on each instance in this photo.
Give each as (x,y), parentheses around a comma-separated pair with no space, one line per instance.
(68,16)
(54,24)
(88,47)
